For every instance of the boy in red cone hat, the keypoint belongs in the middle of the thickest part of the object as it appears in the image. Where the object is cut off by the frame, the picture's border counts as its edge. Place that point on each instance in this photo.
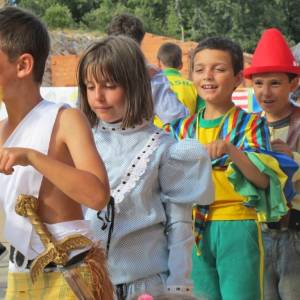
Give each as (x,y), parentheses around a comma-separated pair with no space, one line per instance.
(274,74)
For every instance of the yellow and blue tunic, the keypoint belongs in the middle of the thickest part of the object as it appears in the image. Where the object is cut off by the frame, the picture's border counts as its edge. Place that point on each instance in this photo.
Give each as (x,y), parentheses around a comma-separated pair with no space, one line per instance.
(184,89)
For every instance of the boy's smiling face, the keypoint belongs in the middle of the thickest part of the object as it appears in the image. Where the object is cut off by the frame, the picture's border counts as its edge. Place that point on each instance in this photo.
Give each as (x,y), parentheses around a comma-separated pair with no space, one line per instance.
(272,93)
(214,77)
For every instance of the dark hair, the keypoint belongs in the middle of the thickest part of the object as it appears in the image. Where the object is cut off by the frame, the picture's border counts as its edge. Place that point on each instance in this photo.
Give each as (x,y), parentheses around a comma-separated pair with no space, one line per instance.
(128,25)
(118,60)
(223,44)
(291,76)
(22,32)
(170,54)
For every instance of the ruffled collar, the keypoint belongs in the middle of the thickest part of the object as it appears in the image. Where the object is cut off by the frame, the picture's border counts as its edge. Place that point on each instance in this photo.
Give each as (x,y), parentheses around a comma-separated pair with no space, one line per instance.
(118,128)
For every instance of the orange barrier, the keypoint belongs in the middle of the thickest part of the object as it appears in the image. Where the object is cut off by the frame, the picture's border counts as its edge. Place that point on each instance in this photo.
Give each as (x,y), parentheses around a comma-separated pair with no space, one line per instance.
(64,67)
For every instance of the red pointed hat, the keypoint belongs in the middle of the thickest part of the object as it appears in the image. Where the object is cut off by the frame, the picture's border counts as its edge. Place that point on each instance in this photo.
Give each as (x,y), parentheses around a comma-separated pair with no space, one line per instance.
(272,55)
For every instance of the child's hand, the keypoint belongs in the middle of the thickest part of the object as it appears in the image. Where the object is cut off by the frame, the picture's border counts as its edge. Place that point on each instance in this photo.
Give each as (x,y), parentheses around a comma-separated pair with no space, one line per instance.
(280,146)
(10,157)
(218,148)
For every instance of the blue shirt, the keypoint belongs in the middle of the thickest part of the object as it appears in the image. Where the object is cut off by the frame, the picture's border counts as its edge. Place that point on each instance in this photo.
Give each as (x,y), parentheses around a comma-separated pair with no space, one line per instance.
(166,105)
(152,232)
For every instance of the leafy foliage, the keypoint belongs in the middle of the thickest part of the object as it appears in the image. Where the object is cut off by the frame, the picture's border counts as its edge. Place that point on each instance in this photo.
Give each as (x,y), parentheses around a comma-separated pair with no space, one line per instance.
(241,20)
(99,18)
(58,16)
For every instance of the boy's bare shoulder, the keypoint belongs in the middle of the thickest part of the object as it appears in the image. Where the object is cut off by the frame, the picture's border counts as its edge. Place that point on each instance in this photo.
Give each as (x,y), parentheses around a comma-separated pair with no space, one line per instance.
(73,130)
(69,113)
(72,121)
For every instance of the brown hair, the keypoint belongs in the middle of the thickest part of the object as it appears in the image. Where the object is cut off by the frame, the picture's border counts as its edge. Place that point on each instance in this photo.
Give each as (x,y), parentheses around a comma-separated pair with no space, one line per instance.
(223,44)
(118,60)
(22,32)
(171,55)
(128,25)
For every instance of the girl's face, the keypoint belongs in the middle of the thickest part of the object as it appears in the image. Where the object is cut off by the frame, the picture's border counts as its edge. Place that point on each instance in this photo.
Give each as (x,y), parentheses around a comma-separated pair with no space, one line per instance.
(106,99)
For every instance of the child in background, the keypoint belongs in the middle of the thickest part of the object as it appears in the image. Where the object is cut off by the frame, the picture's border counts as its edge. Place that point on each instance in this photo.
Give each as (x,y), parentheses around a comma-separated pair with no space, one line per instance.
(230,265)
(274,74)
(166,105)
(169,59)
(154,179)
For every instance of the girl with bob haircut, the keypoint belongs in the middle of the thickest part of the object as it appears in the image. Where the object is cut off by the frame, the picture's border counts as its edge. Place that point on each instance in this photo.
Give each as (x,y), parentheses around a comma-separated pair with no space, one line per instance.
(154,179)
(107,61)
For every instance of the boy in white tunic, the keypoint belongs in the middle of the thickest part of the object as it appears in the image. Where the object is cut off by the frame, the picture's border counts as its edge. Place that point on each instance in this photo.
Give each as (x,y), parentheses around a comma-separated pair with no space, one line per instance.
(46,150)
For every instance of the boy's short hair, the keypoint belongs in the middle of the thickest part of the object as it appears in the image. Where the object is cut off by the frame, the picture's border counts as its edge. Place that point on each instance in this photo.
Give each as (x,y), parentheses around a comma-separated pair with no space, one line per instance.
(22,32)
(128,25)
(291,76)
(170,55)
(223,44)
(117,60)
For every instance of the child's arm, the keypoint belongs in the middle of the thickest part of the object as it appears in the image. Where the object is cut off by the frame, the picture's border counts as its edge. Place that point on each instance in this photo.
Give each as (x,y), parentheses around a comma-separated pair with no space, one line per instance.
(220,147)
(84,179)
(280,146)
(180,243)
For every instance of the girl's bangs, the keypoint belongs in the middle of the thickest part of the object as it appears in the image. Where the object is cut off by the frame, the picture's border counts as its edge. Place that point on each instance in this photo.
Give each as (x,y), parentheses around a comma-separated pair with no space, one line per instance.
(99,66)
(99,73)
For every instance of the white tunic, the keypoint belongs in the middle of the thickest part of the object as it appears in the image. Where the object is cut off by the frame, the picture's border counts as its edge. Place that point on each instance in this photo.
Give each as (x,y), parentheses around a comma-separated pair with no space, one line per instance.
(34,132)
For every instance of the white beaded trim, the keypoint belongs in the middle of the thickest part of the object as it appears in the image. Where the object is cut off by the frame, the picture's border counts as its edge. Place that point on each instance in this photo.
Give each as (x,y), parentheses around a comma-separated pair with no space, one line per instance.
(118,127)
(136,169)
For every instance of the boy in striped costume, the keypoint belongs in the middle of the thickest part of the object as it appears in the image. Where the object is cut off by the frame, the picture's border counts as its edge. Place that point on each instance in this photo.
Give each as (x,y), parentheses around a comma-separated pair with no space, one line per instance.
(230,265)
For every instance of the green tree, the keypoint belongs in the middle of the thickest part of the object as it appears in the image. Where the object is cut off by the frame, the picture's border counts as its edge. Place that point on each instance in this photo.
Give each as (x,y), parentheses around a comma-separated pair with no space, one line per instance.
(241,20)
(99,18)
(292,20)
(152,13)
(36,6)
(58,16)
(172,22)
(79,8)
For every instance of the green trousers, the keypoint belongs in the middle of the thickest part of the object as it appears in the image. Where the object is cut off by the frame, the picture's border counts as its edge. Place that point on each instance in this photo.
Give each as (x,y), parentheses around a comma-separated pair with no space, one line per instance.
(230,266)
